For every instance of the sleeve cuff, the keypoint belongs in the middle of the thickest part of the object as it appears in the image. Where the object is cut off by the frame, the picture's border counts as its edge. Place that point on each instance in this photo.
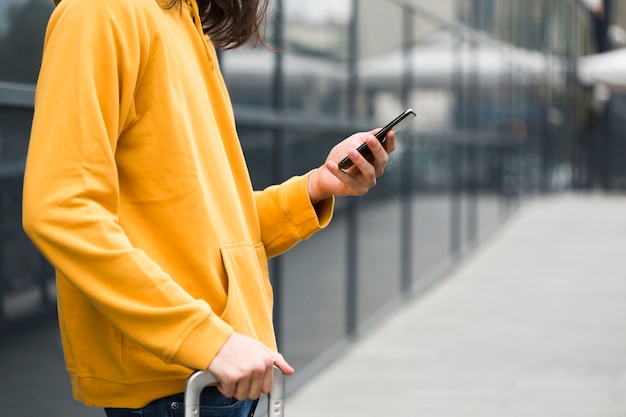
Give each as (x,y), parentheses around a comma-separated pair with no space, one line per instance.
(203,342)
(305,216)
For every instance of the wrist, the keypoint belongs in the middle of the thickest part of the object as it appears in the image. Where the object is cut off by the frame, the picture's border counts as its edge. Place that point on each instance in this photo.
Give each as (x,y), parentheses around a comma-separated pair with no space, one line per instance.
(315,193)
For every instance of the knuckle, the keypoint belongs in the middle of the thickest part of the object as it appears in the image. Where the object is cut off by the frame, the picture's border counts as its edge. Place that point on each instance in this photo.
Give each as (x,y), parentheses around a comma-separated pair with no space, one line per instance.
(233,376)
(257,371)
(227,390)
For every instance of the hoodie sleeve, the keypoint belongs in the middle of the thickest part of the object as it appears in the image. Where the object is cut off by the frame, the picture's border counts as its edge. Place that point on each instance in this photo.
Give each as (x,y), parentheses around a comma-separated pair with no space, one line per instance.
(93,57)
(287,215)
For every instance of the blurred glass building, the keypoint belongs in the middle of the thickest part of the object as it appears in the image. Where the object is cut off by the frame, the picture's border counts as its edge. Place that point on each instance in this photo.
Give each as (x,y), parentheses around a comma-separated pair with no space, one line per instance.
(510,99)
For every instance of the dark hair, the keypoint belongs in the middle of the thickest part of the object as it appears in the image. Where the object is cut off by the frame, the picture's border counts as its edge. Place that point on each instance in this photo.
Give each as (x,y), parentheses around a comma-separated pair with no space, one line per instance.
(230,23)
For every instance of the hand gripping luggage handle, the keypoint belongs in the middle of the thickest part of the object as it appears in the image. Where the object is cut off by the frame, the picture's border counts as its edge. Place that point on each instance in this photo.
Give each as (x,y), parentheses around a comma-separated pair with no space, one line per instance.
(200,379)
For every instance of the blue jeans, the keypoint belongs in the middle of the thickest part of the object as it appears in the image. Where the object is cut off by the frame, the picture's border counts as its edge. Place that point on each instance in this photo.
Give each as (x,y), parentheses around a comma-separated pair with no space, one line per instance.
(212,404)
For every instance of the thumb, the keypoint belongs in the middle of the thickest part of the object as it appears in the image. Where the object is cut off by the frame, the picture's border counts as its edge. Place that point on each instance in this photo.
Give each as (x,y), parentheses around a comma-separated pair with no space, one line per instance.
(282,364)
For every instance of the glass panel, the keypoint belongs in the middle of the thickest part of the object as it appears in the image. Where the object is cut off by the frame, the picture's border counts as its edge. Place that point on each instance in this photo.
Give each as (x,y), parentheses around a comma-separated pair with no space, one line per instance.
(490,213)
(313,298)
(14,134)
(316,35)
(431,233)
(22,28)
(248,73)
(379,249)
(258,149)
(26,279)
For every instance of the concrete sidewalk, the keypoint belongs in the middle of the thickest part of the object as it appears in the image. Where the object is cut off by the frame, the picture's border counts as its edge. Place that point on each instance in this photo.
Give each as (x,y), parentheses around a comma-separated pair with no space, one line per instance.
(532,324)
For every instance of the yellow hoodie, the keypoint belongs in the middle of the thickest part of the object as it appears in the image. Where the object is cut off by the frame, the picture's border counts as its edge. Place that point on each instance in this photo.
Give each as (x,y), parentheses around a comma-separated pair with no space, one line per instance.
(137,192)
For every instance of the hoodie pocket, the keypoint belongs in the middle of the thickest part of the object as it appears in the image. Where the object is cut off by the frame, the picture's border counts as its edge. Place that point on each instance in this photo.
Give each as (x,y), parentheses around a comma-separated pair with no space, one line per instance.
(250,299)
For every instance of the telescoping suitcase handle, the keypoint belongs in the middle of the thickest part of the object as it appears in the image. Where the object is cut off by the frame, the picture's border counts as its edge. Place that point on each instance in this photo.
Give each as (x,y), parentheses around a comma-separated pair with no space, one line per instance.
(200,379)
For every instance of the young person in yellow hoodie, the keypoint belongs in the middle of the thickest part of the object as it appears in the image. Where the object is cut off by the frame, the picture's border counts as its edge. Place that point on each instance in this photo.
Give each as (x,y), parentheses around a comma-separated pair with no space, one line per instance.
(136,190)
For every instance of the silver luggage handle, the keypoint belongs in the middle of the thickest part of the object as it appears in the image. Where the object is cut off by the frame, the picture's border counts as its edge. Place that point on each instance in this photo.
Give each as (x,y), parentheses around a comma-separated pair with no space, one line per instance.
(200,379)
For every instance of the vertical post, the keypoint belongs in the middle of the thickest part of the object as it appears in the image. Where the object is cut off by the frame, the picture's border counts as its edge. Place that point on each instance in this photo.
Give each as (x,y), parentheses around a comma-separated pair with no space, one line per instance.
(2,286)
(472,122)
(546,11)
(352,212)
(278,154)
(606,146)
(406,223)
(455,149)
(572,82)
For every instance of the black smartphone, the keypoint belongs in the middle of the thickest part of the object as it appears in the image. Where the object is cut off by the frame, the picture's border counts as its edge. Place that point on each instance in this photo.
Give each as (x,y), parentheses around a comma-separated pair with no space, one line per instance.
(395,125)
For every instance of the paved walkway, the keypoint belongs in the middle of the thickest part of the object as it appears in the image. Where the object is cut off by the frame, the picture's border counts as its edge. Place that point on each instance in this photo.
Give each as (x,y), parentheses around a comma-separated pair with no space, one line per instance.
(533,324)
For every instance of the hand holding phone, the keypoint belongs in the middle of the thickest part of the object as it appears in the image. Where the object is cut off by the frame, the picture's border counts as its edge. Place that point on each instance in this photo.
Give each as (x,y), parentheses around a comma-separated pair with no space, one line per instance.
(395,125)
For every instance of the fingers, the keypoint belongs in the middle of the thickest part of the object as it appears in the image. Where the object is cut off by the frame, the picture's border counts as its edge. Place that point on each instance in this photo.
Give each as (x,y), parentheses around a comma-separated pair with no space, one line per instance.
(390,143)
(363,176)
(390,140)
(358,179)
(329,180)
(249,382)
(379,153)
(252,385)
(262,380)
(282,364)
(244,368)
(374,168)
